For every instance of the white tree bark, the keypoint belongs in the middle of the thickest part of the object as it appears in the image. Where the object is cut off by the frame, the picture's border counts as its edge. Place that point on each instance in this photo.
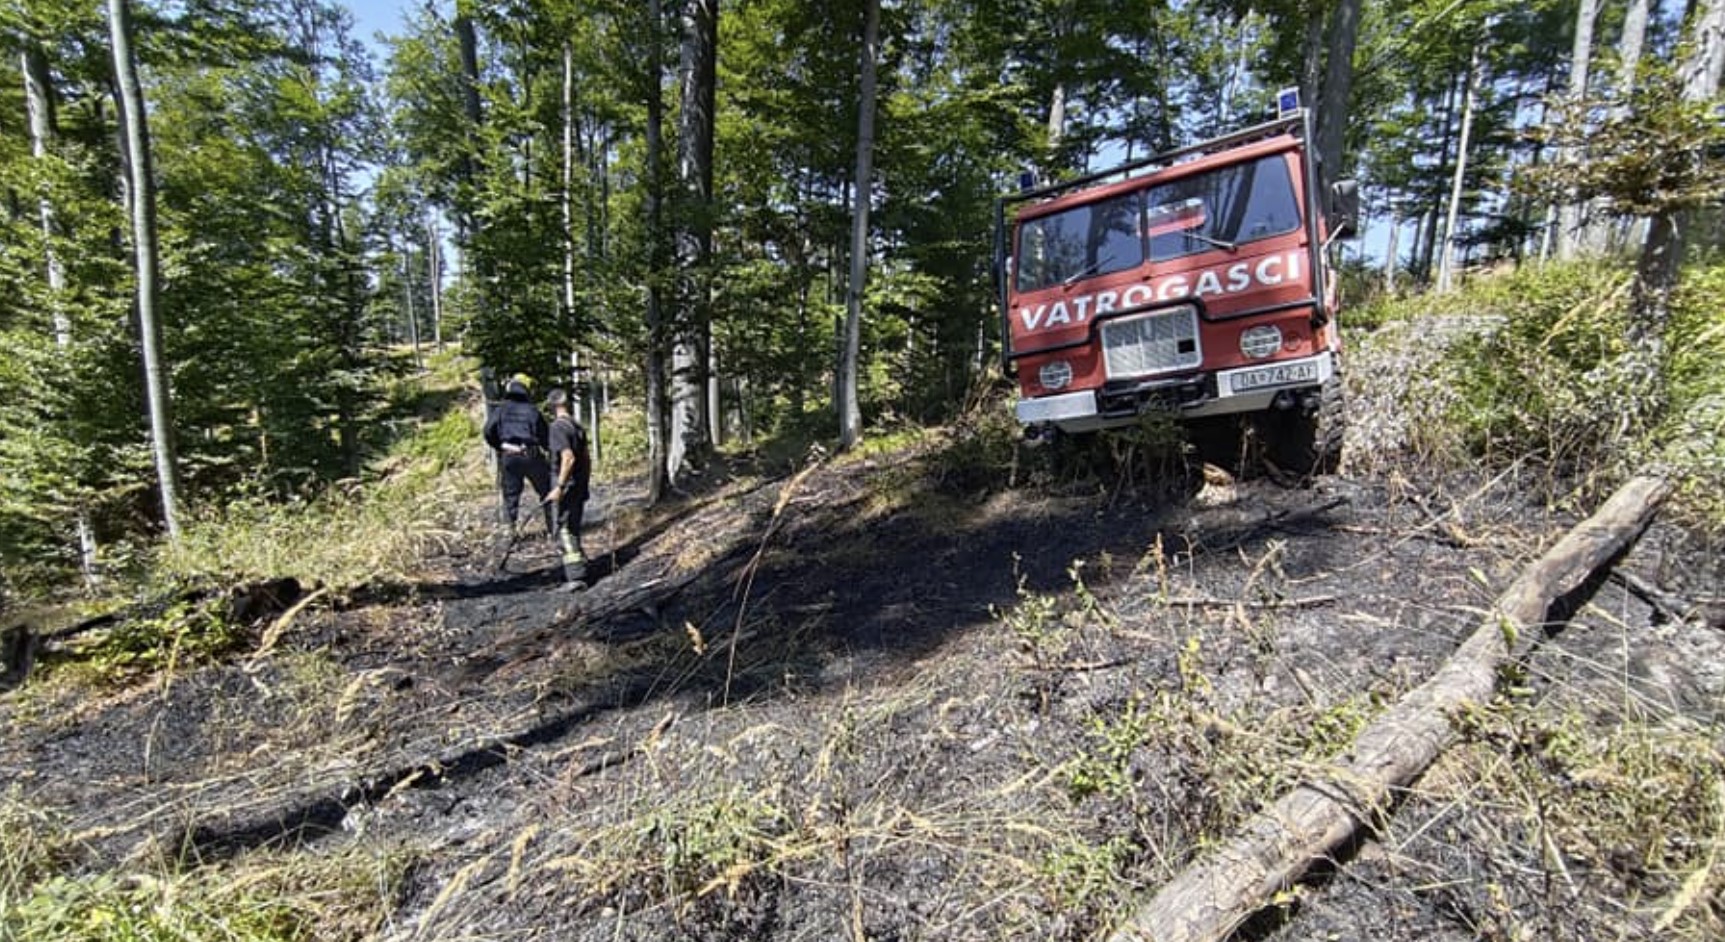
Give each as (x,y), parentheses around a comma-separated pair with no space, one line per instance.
(850,409)
(135,131)
(1569,214)
(690,435)
(1446,263)
(39,101)
(655,316)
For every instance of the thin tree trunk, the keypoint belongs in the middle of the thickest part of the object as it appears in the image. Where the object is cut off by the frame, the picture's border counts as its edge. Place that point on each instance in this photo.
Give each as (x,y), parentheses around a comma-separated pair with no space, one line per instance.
(656,459)
(412,316)
(39,101)
(434,262)
(690,435)
(1569,214)
(1428,247)
(1056,117)
(1446,264)
(135,131)
(567,201)
(850,410)
(1390,252)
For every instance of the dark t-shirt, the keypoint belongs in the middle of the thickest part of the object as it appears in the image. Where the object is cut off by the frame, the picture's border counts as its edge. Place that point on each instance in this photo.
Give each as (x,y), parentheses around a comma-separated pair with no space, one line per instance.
(567,435)
(515,423)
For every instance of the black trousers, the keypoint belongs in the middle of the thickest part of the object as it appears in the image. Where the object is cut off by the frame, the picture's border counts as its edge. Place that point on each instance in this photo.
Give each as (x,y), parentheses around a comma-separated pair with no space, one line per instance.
(530,468)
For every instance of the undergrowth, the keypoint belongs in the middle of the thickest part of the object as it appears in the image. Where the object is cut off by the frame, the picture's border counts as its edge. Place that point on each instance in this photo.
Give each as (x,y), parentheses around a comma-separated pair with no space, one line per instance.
(267,898)
(1532,368)
(347,535)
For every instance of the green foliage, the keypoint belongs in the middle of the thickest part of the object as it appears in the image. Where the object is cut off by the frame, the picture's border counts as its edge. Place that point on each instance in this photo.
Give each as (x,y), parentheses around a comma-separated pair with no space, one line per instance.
(1542,385)
(340,897)
(1534,369)
(1651,152)
(180,634)
(342,538)
(1692,434)
(1105,767)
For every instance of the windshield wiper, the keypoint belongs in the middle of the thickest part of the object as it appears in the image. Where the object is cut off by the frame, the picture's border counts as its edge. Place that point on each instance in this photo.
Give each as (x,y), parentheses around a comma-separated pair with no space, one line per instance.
(1087,270)
(1216,242)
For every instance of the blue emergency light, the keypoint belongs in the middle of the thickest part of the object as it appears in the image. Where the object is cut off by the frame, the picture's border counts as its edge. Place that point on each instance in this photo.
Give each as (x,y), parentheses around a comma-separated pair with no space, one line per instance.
(1287,102)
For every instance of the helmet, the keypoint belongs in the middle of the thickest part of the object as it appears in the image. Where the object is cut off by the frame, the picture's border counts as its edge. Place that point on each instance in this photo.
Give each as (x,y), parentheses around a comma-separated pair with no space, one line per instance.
(516,389)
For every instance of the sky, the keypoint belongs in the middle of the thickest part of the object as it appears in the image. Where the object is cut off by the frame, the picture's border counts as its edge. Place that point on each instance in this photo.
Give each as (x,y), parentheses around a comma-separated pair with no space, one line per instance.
(377,16)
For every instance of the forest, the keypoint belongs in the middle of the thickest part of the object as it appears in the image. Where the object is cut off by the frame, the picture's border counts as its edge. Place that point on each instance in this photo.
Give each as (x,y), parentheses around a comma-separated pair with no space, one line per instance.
(228,229)
(852,655)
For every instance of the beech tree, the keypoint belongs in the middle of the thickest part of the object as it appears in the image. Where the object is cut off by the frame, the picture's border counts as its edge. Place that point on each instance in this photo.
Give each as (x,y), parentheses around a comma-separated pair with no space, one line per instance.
(141,192)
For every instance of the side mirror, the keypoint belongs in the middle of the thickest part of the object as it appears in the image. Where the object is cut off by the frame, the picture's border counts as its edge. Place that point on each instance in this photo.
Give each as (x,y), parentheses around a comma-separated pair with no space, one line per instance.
(1344,209)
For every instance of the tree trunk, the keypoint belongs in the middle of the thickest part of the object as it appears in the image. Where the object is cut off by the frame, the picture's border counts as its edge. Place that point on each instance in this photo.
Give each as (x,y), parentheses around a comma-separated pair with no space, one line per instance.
(467,44)
(1446,265)
(1428,245)
(135,131)
(1308,825)
(1569,214)
(690,436)
(850,410)
(1312,54)
(567,197)
(1336,101)
(1629,46)
(434,262)
(39,101)
(412,315)
(1390,251)
(655,380)
(1662,253)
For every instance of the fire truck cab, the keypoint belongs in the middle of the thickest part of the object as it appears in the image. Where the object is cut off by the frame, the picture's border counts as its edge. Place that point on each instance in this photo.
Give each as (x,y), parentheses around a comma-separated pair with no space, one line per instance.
(1194,282)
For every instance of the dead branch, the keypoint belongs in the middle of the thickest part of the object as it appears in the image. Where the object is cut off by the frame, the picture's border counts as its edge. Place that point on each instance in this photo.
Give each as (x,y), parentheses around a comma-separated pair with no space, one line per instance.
(1662,602)
(1310,601)
(1209,899)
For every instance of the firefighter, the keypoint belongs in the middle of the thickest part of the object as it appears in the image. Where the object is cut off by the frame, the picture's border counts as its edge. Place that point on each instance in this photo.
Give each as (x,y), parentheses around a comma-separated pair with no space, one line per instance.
(519,434)
(572,470)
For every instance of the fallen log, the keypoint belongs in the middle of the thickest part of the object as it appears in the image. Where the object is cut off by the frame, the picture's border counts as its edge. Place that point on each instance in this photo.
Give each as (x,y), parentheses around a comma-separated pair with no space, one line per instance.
(1212,897)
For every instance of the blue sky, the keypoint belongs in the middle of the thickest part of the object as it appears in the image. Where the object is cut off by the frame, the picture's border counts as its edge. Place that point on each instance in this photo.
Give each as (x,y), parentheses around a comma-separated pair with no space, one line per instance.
(377,16)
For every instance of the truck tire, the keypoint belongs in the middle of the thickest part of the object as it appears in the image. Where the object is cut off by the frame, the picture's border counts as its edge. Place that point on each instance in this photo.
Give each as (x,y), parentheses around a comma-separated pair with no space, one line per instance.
(1305,442)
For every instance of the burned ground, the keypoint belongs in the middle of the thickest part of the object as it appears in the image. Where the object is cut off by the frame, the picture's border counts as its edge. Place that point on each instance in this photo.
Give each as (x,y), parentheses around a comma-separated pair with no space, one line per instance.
(869,701)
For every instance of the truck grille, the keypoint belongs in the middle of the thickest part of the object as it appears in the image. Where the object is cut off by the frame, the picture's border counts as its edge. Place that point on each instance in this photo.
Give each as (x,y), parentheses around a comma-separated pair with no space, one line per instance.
(1151,343)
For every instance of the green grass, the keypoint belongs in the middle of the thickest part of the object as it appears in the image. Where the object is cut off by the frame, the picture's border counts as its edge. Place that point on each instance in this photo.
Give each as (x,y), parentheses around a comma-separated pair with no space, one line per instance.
(1543,377)
(346,536)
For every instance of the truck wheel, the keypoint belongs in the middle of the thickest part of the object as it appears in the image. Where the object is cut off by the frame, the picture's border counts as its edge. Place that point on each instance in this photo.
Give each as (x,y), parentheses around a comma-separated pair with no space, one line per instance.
(1304,442)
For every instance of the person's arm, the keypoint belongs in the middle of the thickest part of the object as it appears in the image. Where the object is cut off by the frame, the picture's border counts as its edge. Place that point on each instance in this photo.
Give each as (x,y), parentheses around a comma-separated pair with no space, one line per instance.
(565,469)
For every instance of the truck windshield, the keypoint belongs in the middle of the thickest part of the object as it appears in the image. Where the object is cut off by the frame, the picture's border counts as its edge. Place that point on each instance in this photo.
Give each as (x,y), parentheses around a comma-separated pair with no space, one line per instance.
(1223,208)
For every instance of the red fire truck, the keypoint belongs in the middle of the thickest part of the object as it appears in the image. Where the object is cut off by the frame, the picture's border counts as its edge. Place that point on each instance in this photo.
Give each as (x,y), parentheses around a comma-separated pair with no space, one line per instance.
(1194,282)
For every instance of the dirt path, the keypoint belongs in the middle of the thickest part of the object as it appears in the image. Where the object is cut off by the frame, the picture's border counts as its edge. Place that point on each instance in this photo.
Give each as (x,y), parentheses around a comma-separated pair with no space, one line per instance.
(862,704)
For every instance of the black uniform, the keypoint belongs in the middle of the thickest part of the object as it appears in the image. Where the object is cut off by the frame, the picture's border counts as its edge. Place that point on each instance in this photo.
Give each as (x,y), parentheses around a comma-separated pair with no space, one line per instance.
(520,434)
(568,435)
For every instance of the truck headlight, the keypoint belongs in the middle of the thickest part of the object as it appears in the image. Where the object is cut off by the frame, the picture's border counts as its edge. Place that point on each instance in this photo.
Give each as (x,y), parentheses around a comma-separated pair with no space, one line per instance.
(1055,375)
(1260,341)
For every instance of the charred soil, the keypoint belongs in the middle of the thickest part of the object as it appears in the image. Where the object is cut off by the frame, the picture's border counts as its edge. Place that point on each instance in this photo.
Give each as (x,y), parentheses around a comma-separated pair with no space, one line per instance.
(869,700)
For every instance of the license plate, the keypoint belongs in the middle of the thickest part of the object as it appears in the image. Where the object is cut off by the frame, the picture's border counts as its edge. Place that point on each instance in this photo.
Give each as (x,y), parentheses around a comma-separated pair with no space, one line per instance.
(1279,375)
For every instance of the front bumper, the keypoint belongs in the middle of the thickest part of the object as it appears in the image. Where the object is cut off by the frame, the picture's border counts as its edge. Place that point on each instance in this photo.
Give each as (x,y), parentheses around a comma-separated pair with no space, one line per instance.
(1207,394)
